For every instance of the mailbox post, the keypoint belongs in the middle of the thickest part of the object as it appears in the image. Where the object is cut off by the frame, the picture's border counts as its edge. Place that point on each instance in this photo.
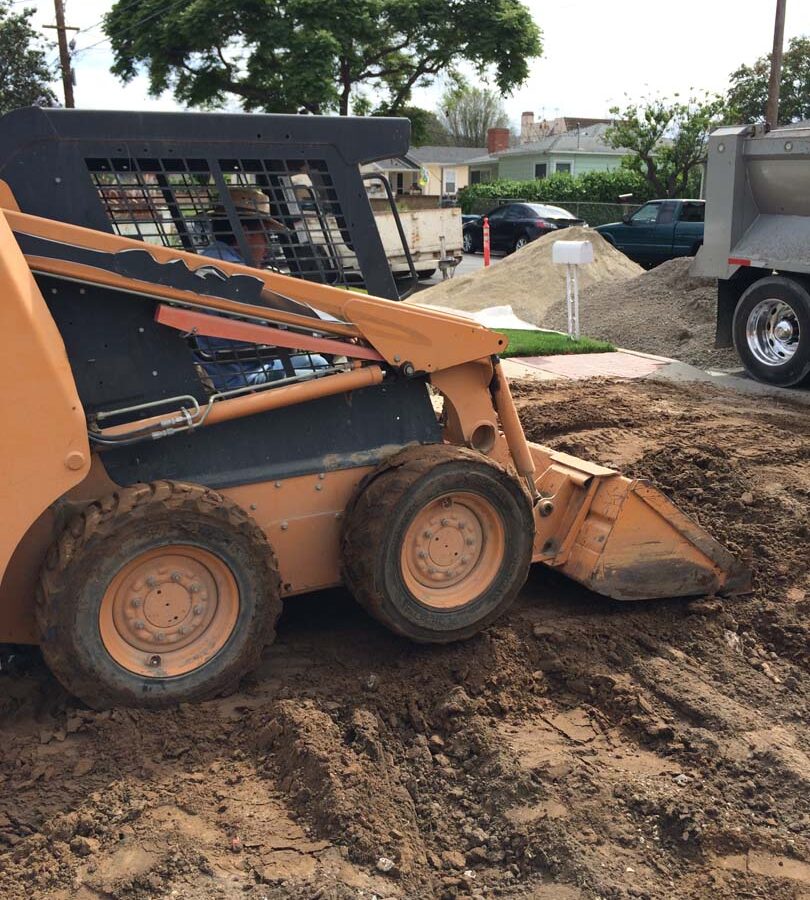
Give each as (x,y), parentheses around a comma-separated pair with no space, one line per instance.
(572,255)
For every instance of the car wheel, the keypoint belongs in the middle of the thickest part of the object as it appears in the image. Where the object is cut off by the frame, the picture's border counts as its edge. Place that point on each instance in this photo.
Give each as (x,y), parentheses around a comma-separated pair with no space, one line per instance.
(771,331)
(468,243)
(520,242)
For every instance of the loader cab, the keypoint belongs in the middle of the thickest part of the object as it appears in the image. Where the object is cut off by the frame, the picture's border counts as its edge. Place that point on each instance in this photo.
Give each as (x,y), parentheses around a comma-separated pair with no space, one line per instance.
(206,184)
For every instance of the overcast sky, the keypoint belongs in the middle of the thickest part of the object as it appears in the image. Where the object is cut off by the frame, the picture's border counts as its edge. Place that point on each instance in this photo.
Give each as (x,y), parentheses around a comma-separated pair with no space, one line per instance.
(594,52)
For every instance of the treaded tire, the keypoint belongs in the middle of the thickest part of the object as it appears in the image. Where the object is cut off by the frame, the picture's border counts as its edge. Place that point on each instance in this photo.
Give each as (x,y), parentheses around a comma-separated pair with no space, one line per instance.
(386,505)
(107,536)
(795,371)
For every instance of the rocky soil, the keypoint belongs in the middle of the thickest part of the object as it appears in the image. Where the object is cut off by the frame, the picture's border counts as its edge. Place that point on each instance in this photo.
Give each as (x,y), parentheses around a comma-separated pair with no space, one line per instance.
(579,748)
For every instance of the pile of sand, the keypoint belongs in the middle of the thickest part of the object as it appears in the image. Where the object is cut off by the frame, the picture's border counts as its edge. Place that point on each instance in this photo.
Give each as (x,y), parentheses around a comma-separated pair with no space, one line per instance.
(664,311)
(528,280)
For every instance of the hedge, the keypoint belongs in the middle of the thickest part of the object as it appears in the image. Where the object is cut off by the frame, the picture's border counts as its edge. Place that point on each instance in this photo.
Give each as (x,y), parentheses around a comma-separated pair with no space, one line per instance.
(593,187)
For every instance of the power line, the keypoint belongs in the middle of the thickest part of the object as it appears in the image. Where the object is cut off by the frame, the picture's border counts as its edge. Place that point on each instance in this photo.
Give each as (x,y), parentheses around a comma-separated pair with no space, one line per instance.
(134,25)
(95,25)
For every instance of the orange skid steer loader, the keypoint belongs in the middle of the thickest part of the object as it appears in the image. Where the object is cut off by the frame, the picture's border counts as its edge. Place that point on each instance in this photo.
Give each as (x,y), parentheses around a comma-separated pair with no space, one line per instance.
(210,414)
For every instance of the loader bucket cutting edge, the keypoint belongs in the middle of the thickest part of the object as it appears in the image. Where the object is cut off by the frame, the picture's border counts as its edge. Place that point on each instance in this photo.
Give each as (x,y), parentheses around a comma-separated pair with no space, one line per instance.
(623,538)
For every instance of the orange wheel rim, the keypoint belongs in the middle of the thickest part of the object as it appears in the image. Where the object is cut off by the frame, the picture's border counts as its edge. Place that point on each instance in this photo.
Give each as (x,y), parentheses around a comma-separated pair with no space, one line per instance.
(452,550)
(169,611)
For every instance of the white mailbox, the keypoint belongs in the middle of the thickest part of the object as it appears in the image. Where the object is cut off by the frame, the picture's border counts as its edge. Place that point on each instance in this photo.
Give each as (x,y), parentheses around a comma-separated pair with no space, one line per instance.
(572,253)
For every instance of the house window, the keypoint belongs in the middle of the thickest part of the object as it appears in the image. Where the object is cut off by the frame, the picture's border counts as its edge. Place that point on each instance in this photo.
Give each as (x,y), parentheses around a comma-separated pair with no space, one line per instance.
(540,170)
(449,181)
(563,167)
(475,176)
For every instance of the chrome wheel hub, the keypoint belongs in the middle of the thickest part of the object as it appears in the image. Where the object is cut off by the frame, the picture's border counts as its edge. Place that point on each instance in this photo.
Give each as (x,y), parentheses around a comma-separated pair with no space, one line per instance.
(772,332)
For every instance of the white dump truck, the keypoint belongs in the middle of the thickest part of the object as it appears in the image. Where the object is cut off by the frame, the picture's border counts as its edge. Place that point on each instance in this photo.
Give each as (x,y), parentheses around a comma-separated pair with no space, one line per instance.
(757,244)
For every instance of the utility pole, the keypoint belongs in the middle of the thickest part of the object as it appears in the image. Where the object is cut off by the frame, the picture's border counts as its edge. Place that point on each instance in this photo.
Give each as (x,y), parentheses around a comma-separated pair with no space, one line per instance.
(772,110)
(64,52)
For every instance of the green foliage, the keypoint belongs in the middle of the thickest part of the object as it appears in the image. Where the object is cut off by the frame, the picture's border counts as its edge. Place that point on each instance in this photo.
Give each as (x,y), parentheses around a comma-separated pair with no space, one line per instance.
(548,343)
(748,96)
(592,187)
(425,126)
(24,74)
(316,55)
(468,113)
(667,138)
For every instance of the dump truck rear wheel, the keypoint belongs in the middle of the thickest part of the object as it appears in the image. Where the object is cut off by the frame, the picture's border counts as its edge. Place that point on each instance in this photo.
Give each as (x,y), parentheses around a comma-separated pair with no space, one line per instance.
(771,330)
(158,594)
(437,542)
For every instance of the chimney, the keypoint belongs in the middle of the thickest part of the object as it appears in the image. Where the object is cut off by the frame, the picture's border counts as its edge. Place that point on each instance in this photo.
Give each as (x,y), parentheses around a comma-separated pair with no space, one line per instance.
(526,127)
(497,140)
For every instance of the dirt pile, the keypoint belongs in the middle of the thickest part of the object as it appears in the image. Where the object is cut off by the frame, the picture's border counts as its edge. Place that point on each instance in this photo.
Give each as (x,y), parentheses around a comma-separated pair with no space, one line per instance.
(578,748)
(663,311)
(528,281)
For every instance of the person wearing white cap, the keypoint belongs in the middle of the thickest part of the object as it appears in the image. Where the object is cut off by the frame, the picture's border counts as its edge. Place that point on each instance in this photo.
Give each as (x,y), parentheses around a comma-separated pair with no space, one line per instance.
(253,208)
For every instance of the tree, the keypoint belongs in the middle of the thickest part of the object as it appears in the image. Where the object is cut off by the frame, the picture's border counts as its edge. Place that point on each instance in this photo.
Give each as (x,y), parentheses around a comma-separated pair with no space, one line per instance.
(300,55)
(24,74)
(666,139)
(469,112)
(748,95)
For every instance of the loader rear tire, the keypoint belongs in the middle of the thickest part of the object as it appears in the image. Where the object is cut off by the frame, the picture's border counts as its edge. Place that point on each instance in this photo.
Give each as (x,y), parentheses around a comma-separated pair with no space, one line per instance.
(156,595)
(437,542)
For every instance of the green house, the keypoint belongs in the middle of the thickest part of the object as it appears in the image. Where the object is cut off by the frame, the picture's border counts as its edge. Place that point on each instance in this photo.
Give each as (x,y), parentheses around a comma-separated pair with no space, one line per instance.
(575,152)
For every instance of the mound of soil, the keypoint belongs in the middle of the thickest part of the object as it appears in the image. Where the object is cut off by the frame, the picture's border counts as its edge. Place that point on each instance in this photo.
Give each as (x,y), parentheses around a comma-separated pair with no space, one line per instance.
(663,311)
(578,748)
(529,281)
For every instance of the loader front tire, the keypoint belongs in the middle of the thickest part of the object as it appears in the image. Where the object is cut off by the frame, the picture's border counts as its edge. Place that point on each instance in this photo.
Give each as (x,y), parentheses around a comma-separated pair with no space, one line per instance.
(156,595)
(437,542)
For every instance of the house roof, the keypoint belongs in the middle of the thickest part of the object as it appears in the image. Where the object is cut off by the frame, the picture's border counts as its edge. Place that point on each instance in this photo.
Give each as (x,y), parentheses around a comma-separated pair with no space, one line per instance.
(586,140)
(485,160)
(447,156)
(396,163)
(571,122)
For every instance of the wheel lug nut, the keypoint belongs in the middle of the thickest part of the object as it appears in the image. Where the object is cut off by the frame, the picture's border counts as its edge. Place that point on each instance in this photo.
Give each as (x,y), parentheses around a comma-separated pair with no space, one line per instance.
(431,570)
(428,534)
(465,560)
(151,581)
(160,636)
(139,625)
(176,576)
(461,525)
(198,609)
(194,588)
(184,629)
(135,602)
(470,542)
(445,523)
(421,554)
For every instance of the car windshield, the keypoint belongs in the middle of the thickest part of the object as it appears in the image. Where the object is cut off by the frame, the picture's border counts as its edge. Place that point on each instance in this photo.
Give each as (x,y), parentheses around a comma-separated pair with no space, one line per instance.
(550,212)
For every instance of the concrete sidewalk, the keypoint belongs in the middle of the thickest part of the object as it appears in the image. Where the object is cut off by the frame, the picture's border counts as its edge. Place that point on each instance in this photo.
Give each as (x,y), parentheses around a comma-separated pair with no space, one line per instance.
(631,364)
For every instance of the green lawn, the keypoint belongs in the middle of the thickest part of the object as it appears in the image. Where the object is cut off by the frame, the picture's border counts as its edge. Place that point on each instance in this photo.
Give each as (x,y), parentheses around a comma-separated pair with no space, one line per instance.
(549,343)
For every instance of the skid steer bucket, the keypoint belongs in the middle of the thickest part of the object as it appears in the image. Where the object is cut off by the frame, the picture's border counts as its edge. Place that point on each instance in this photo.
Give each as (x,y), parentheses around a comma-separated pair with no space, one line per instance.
(623,538)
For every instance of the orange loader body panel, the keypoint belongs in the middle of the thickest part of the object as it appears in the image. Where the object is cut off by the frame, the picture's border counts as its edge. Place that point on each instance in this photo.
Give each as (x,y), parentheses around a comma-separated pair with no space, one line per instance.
(43,442)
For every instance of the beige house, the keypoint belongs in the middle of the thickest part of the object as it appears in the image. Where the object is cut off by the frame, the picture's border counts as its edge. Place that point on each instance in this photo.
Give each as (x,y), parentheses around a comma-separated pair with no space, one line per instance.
(445,170)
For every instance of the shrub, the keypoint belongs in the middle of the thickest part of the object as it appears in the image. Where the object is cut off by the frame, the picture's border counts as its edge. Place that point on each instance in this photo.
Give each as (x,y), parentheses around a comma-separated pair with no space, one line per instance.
(592,187)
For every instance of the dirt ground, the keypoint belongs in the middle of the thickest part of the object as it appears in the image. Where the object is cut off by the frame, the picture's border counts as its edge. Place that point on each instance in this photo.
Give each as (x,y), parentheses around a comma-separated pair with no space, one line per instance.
(579,748)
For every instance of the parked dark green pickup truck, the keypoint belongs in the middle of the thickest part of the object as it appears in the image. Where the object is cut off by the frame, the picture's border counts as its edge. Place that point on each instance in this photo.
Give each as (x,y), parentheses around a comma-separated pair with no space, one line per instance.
(660,230)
